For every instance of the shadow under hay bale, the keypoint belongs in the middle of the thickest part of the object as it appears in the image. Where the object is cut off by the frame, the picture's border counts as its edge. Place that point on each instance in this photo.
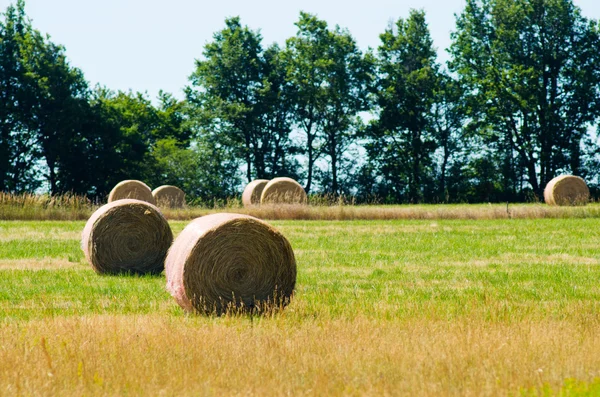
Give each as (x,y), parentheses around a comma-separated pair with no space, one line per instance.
(127,236)
(224,263)
(169,196)
(283,191)
(566,190)
(253,191)
(131,189)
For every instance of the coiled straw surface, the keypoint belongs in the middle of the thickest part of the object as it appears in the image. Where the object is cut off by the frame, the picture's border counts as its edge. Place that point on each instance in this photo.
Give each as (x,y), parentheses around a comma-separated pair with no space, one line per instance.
(127,236)
(131,189)
(283,191)
(224,262)
(169,196)
(252,192)
(566,190)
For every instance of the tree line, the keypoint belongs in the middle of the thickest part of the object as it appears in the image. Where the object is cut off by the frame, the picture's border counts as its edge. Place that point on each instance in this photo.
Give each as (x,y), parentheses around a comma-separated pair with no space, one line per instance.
(517,104)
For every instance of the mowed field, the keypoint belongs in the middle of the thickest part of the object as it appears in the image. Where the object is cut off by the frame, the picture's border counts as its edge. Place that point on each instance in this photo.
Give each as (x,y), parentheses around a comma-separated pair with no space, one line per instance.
(396,307)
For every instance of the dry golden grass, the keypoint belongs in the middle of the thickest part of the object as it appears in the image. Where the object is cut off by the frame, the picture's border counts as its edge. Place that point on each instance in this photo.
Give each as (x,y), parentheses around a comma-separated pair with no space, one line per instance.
(70,207)
(389,212)
(114,355)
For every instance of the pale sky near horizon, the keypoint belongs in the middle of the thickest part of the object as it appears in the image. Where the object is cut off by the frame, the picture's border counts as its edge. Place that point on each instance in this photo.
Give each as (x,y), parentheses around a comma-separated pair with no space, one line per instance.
(148,45)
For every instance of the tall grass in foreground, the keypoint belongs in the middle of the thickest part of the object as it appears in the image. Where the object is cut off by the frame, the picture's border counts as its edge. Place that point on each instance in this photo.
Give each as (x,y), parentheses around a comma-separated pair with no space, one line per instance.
(72,207)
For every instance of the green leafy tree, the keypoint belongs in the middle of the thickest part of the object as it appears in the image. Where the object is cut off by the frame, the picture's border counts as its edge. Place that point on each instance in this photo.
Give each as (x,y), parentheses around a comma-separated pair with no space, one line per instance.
(225,88)
(330,76)
(531,71)
(240,100)
(402,138)
(274,151)
(17,145)
(57,96)
(448,117)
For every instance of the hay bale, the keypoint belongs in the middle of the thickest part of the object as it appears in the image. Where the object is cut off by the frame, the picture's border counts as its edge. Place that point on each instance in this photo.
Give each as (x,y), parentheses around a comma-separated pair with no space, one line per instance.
(131,189)
(252,192)
(566,190)
(283,191)
(169,196)
(223,262)
(127,236)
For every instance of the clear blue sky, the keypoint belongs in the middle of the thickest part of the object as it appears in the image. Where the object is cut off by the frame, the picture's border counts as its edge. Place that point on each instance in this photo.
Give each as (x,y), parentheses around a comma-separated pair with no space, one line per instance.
(148,45)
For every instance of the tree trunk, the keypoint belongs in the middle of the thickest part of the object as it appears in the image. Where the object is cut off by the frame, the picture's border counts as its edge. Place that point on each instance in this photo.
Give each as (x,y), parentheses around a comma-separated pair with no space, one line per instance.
(311,161)
(443,170)
(248,159)
(334,159)
(416,149)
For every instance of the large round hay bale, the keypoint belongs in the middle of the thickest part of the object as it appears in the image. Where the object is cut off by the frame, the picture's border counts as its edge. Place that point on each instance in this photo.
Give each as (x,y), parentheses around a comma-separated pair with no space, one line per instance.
(283,191)
(567,190)
(127,236)
(131,189)
(224,262)
(252,192)
(169,196)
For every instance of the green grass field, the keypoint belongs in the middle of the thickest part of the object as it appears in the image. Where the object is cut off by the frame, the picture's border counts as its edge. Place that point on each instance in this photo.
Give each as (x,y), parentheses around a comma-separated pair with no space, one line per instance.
(426,307)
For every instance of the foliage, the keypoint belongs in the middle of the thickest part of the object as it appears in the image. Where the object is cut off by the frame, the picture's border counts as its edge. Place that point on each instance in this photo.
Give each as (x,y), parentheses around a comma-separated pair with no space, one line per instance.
(329,76)
(518,103)
(530,67)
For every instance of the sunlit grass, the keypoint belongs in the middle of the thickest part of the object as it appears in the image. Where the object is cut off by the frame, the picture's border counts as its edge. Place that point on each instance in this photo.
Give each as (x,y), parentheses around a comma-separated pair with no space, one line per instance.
(426,307)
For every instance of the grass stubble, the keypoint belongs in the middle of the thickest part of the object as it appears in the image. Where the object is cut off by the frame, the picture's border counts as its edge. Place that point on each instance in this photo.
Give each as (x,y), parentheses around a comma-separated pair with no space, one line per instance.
(447,307)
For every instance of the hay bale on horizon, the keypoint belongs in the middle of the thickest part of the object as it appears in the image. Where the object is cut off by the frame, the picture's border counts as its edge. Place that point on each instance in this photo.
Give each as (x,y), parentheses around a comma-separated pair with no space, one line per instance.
(283,191)
(169,196)
(127,236)
(253,191)
(566,190)
(131,189)
(223,262)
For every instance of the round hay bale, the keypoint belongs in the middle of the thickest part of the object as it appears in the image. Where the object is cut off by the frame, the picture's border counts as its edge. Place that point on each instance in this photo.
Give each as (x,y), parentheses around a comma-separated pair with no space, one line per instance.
(127,236)
(169,196)
(224,262)
(252,192)
(131,189)
(566,190)
(283,191)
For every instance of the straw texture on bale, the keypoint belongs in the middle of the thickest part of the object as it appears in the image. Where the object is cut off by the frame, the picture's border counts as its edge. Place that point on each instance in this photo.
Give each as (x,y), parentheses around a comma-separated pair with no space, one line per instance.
(224,262)
(169,196)
(283,191)
(566,190)
(252,192)
(131,189)
(127,236)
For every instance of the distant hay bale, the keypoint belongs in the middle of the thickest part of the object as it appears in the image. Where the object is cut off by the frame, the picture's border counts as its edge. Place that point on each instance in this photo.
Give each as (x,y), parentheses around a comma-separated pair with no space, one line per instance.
(283,191)
(566,190)
(169,196)
(127,236)
(252,192)
(131,189)
(224,262)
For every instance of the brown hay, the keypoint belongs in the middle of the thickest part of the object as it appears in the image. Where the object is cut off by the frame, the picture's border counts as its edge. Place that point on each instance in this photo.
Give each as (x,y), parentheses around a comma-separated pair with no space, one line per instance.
(131,189)
(252,192)
(127,236)
(566,190)
(283,191)
(225,262)
(169,196)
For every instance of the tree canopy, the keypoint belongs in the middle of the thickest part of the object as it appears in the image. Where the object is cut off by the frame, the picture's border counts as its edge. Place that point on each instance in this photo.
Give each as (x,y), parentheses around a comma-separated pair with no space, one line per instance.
(517,104)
